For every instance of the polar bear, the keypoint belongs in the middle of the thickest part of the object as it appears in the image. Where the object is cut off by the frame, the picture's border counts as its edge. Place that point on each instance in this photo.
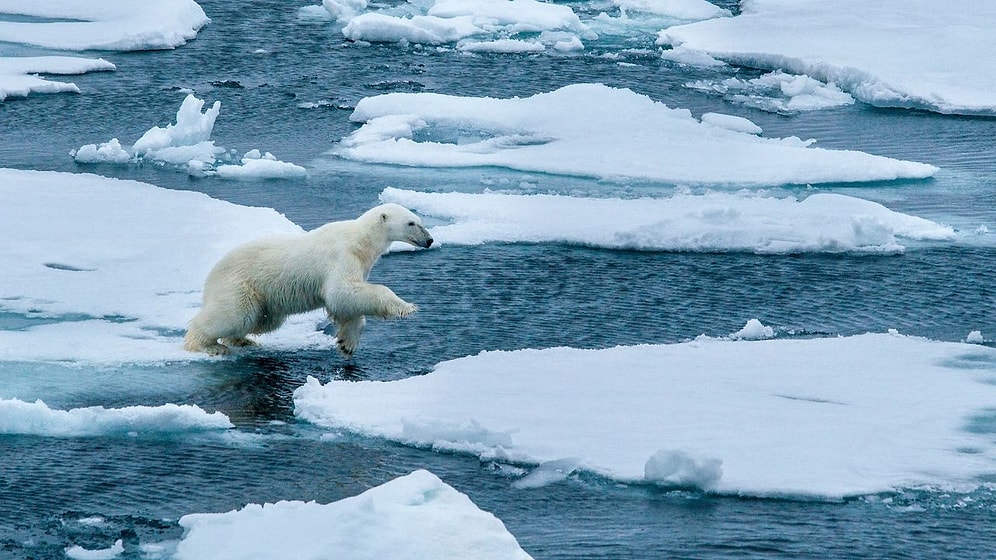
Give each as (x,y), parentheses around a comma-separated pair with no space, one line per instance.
(257,285)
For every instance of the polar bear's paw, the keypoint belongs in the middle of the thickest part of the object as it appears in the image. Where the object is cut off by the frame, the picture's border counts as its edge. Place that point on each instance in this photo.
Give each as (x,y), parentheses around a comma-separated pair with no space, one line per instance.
(406,309)
(239,342)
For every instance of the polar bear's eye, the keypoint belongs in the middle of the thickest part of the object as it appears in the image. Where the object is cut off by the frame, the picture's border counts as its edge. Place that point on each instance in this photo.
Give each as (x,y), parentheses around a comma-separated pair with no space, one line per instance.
(411,223)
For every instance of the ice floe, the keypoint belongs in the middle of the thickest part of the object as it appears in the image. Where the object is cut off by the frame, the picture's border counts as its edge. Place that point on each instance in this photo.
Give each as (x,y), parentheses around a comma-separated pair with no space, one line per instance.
(509,25)
(592,130)
(829,417)
(18,75)
(108,271)
(892,53)
(411,517)
(108,25)
(36,418)
(187,144)
(715,221)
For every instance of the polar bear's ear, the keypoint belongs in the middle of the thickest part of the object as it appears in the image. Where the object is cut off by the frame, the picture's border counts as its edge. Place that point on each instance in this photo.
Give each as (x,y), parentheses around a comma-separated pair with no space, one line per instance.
(383,216)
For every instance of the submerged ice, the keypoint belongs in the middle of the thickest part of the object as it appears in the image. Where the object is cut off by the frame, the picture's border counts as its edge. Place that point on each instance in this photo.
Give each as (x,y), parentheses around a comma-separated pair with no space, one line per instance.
(827,417)
(593,130)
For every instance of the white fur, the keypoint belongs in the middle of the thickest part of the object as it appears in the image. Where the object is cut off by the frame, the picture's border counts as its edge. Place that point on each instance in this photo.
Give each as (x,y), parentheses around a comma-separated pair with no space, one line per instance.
(257,285)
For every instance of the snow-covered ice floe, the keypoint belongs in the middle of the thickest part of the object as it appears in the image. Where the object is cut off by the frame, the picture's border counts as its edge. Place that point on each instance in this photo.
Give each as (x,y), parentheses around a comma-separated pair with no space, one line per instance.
(713,222)
(109,271)
(828,418)
(592,130)
(410,517)
(187,144)
(892,53)
(37,418)
(18,75)
(108,25)
(508,26)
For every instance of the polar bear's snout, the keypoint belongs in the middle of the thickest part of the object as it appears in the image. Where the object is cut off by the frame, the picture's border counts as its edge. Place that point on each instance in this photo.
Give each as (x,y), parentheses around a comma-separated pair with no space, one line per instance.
(420,237)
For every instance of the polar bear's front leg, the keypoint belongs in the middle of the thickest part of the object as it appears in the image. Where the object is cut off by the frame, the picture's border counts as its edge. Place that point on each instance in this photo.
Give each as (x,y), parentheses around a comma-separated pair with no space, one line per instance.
(372,300)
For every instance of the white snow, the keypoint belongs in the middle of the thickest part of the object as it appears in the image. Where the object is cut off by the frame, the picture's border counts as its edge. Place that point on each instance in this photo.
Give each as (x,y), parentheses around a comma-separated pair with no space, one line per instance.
(715,221)
(108,25)
(416,516)
(778,92)
(114,269)
(975,337)
(26,418)
(18,74)
(593,130)
(891,53)
(187,144)
(827,417)
(79,553)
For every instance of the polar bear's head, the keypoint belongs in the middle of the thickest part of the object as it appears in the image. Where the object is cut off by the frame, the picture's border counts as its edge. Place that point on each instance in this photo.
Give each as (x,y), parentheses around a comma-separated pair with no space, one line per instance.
(402,224)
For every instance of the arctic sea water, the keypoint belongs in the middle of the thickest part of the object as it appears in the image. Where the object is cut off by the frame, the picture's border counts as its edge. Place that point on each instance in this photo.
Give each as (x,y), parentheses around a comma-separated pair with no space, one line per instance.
(288,84)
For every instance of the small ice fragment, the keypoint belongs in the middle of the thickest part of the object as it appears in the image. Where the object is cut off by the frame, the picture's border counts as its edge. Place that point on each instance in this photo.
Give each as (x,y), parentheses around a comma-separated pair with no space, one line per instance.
(974,337)
(753,330)
(79,553)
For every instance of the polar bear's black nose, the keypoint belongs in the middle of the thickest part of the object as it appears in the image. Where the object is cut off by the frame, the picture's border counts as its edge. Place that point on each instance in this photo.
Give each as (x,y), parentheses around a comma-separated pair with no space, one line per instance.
(428,243)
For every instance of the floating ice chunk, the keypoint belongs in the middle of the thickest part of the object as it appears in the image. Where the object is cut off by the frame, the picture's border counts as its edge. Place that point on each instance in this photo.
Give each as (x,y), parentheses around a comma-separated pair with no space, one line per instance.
(828,417)
(107,152)
(689,57)
(187,143)
(779,92)
(975,337)
(429,30)
(18,75)
(122,25)
(261,166)
(677,468)
(513,16)
(79,553)
(823,222)
(550,472)
(679,9)
(414,516)
(344,9)
(192,127)
(492,24)
(754,330)
(885,53)
(20,417)
(731,122)
(622,135)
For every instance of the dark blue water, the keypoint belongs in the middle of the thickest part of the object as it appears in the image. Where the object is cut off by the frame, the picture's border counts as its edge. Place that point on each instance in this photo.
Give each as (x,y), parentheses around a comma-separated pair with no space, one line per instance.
(495,296)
